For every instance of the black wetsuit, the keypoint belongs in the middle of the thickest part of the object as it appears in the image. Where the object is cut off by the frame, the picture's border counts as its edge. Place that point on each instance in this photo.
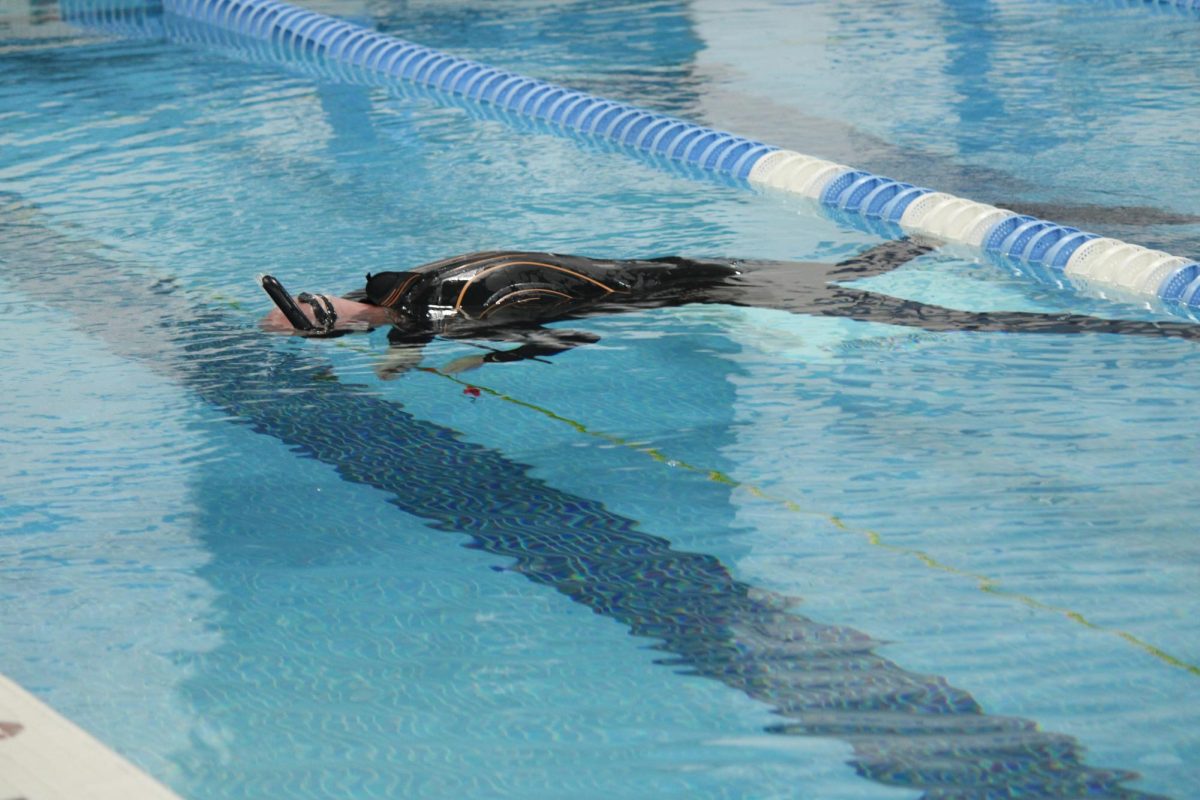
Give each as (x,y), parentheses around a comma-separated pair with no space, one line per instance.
(507,295)
(493,289)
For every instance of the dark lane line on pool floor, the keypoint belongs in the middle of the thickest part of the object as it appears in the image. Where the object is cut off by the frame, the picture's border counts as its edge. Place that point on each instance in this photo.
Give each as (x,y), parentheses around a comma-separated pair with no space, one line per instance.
(906,729)
(874,538)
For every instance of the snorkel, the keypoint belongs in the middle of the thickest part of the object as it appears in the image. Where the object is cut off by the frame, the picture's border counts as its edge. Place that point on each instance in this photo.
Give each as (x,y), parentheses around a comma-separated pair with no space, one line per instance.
(321,305)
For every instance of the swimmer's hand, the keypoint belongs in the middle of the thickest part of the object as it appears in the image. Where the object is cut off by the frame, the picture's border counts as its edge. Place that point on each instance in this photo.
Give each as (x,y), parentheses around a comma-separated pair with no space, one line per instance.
(463,364)
(398,359)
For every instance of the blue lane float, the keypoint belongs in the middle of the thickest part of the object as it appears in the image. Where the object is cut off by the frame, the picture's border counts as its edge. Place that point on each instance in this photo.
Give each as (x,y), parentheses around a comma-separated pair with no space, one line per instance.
(297,34)
(1044,250)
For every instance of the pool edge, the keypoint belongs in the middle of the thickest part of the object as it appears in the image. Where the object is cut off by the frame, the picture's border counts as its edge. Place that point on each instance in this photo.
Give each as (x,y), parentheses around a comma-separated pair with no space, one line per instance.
(45,756)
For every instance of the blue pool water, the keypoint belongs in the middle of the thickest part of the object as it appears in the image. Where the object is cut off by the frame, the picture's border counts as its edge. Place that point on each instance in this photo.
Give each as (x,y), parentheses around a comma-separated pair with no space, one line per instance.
(258,570)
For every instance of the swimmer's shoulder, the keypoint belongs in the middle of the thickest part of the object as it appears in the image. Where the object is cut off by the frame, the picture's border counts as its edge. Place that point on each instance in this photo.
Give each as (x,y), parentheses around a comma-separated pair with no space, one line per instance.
(488,258)
(465,261)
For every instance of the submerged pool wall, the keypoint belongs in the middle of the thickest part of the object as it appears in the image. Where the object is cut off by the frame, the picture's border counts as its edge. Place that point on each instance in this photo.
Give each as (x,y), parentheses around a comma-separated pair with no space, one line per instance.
(1043,250)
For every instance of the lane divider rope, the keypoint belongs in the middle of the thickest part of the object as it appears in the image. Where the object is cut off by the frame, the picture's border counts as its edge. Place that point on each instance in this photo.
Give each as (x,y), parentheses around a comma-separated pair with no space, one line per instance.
(344,51)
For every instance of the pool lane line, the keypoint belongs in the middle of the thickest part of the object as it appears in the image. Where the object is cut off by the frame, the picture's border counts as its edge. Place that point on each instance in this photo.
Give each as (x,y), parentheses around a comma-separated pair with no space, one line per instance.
(1111,268)
(874,538)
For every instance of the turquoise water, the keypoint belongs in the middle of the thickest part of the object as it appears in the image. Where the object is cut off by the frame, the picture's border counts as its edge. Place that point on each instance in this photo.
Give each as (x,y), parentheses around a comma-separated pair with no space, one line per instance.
(195,569)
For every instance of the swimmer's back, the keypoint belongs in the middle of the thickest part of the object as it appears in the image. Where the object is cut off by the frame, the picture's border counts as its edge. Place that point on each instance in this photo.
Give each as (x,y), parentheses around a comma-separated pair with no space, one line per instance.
(495,285)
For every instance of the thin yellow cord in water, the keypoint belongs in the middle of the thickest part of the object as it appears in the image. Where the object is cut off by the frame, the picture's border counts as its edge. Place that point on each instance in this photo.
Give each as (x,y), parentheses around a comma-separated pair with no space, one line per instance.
(983,583)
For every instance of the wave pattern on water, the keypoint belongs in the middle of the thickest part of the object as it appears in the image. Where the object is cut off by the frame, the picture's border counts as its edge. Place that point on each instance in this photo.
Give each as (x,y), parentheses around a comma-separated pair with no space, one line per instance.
(906,729)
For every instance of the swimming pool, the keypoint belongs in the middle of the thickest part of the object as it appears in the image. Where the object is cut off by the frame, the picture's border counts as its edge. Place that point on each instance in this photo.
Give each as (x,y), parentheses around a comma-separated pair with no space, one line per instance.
(240,560)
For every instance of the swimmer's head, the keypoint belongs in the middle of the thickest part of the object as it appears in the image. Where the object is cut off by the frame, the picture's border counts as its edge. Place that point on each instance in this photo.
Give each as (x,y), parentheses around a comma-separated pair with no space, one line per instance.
(393,290)
(318,315)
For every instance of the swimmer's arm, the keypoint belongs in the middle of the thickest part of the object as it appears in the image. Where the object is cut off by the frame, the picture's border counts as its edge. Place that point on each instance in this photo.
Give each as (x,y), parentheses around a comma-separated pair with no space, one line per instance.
(873,307)
(404,353)
(537,344)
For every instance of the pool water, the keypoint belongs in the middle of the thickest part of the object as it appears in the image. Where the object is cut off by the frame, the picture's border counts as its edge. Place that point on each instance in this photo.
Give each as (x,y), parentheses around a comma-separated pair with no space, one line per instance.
(959,565)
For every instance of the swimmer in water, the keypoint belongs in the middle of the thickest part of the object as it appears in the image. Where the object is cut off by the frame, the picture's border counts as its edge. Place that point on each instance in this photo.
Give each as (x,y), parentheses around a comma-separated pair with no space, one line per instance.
(506,296)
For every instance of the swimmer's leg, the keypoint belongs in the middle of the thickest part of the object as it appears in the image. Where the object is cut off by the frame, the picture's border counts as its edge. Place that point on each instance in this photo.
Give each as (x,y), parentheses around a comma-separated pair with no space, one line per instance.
(872,307)
(802,287)
(880,259)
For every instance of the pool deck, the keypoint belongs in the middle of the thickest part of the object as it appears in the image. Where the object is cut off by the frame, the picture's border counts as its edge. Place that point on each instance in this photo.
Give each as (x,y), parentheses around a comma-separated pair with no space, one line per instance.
(44,756)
